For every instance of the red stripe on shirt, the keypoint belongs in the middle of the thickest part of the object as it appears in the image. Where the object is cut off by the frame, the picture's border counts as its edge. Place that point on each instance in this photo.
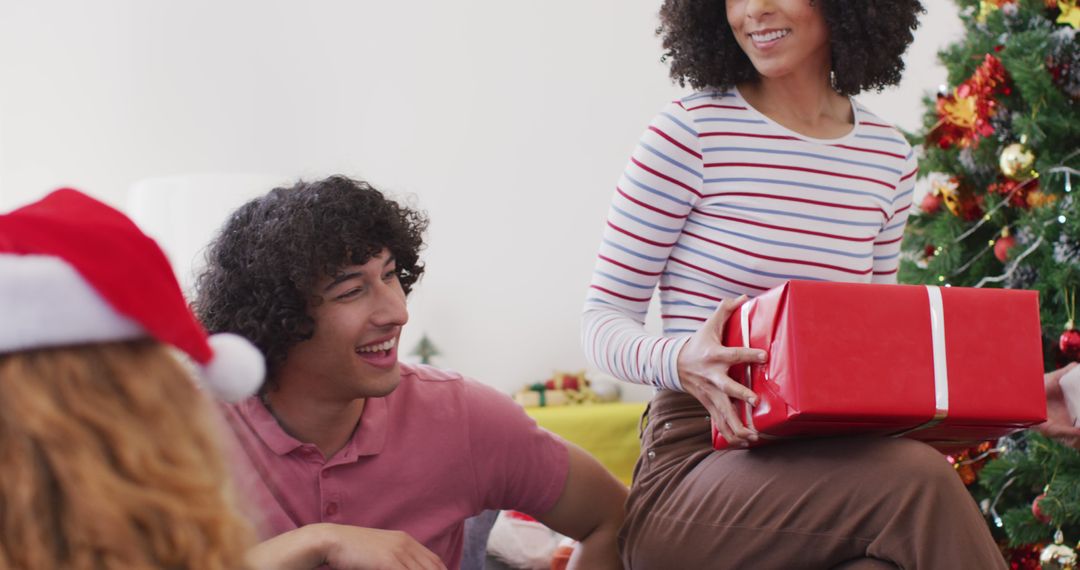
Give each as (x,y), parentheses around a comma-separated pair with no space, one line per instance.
(750,135)
(688,292)
(803,200)
(620,295)
(715,106)
(639,238)
(668,138)
(780,259)
(663,176)
(649,206)
(628,268)
(784,228)
(717,275)
(684,317)
(870,150)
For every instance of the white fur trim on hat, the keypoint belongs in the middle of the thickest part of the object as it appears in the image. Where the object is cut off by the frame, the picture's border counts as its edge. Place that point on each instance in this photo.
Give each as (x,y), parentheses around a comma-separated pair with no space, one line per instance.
(44,302)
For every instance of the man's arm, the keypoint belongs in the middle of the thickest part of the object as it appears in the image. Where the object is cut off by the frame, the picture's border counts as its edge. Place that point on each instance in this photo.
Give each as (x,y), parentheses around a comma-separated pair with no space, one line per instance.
(342,547)
(589,510)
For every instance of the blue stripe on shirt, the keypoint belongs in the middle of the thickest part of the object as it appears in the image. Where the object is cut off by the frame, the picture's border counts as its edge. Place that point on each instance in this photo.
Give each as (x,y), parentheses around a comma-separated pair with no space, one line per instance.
(711,284)
(623,281)
(744,268)
(804,216)
(806,154)
(680,123)
(670,160)
(881,199)
(885,139)
(634,253)
(644,223)
(659,193)
(782,243)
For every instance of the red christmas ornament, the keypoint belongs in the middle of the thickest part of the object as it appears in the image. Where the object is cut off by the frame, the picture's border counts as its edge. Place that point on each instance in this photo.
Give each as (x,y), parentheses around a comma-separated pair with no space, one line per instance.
(1037,511)
(1024,557)
(1002,247)
(1069,343)
(931,203)
(1017,192)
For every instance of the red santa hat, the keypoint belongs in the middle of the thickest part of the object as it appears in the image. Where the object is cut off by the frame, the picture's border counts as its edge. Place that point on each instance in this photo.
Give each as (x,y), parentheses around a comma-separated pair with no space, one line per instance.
(74,271)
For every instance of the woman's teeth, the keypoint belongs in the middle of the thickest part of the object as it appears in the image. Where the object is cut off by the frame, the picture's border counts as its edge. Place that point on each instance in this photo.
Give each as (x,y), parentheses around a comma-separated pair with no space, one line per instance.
(769,36)
(378,347)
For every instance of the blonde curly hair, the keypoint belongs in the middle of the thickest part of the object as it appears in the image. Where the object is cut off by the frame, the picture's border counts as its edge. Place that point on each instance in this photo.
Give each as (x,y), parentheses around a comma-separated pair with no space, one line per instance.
(111,459)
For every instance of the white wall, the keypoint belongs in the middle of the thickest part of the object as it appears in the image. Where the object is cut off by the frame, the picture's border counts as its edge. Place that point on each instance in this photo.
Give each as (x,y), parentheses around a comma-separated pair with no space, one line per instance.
(508,121)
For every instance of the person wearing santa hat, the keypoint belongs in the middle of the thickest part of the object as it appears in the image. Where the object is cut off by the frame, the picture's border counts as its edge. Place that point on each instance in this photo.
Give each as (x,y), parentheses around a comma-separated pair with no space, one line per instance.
(316,275)
(111,450)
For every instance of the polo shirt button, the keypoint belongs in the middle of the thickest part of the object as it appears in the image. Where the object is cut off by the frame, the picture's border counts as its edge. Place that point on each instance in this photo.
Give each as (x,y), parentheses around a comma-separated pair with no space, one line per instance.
(667,425)
(331,509)
(652,454)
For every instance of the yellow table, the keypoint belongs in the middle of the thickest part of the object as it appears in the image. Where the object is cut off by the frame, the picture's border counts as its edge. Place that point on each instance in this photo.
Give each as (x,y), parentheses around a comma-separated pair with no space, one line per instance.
(608,431)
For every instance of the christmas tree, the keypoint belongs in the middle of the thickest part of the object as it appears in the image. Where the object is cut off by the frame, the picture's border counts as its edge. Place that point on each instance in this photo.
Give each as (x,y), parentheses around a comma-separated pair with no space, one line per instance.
(1001,152)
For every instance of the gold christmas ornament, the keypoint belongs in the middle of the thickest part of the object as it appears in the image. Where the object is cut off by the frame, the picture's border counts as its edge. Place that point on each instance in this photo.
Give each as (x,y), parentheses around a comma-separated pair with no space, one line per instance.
(950,193)
(961,111)
(1057,556)
(1070,13)
(1038,199)
(1016,161)
(986,7)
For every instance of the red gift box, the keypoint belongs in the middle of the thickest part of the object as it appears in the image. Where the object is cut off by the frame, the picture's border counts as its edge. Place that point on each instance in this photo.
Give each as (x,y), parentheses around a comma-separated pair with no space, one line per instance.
(948,366)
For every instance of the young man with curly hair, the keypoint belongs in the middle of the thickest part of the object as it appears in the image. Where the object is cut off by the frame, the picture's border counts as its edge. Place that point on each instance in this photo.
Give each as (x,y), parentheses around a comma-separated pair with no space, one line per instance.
(769,172)
(394,456)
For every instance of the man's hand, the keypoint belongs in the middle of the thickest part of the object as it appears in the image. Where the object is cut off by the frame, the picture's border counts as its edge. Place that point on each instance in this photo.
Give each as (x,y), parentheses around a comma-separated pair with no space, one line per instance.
(343,547)
(1058,424)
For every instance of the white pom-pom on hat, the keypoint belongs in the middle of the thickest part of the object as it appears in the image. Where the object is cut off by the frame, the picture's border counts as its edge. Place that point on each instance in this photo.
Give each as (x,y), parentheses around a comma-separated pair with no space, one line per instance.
(74,271)
(237,369)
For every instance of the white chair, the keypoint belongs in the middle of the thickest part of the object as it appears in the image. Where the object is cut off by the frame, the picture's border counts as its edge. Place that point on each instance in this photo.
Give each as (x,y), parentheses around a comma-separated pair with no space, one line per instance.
(184,213)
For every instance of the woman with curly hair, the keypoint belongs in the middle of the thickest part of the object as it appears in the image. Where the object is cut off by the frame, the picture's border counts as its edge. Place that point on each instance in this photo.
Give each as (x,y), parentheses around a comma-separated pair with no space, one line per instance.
(769,172)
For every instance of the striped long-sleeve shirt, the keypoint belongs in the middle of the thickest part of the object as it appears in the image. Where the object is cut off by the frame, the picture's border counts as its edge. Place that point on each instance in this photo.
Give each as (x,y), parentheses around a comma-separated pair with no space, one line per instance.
(717,201)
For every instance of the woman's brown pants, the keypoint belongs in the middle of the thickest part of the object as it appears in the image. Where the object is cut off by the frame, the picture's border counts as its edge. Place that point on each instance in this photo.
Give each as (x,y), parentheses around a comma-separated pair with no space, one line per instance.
(817,504)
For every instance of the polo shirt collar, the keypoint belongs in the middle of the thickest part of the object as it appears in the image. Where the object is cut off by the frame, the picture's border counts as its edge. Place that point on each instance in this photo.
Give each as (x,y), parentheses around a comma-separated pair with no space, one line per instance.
(368,439)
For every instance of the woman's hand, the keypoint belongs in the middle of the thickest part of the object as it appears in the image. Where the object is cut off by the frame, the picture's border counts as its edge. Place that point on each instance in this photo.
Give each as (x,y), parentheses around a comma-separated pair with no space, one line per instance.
(703,365)
(1058,424)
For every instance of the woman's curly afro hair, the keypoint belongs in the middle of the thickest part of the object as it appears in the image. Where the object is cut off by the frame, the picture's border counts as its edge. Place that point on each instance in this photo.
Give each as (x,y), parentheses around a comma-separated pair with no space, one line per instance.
(868,39)
(263,266)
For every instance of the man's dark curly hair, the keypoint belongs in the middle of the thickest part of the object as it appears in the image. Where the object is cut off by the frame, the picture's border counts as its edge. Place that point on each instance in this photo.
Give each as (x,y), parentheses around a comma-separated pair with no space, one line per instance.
(263,266)
(867,38)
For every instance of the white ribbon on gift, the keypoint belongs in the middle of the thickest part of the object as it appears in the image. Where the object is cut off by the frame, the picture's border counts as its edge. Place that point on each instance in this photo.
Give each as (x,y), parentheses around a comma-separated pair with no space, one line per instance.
(744,324)
(941,371)
(937,339)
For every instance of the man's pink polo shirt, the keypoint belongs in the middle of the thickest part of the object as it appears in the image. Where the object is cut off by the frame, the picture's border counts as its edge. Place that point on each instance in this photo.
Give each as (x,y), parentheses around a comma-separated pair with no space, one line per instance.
(437,450)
